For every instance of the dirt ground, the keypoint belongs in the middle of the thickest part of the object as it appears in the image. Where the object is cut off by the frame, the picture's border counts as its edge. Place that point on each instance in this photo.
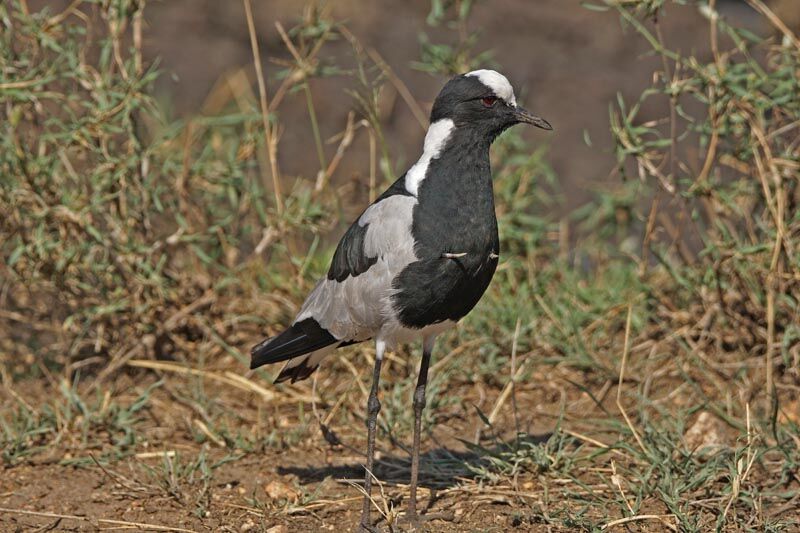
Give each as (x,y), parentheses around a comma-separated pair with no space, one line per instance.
(308,485)
(268,467)
(97,493)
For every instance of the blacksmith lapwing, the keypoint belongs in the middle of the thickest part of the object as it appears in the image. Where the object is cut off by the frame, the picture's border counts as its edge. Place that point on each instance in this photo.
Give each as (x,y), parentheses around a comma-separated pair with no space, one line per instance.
(417,260)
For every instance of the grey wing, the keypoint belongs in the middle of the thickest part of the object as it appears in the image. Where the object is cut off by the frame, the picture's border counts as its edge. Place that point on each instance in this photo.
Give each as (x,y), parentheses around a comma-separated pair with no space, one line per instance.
(354,300)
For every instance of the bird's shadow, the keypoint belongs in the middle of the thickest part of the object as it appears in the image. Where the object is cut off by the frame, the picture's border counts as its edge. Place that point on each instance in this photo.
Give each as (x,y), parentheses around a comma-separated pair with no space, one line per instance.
(440,468)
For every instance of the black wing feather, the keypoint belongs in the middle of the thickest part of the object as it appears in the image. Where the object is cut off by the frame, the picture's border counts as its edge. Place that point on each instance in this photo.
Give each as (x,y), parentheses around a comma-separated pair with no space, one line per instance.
(349,258)
(300,338)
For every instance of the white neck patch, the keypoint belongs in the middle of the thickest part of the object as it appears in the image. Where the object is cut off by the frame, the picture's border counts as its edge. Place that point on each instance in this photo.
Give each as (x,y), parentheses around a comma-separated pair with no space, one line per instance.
(435,140)
(497,83)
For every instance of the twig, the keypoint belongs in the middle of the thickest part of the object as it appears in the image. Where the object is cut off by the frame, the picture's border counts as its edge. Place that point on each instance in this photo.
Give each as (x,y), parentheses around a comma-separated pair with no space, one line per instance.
(637,518)
(24,84)
(61,17)
(769,365)
(307,68)
(17,397)
(401,87)
(154,455)
(229,378)
(347,139)
(268,235)
(116,27)
(617,480)
(506,392)
(514,345)
(670,79)
(625,351)
(208,433)
(711,153)
(386,512)
(124,523)
(762,8)
(116,478)
(373,164)
(743,466)
(174,320)
(585,438)
(648,235)
(455,351)
(269,139)
(138,16)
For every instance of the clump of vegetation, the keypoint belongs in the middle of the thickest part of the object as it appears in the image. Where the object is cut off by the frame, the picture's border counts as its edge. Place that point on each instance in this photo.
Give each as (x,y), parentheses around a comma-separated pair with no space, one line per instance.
(123,232)
(724,161)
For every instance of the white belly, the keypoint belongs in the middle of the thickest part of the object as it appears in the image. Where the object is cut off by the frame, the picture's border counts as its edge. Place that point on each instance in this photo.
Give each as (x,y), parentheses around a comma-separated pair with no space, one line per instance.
(393,333)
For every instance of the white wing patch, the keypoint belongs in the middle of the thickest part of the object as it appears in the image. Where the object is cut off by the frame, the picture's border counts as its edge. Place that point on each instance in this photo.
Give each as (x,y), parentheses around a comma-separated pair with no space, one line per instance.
(389,231)
(497,83)
(435,141)
(355,308)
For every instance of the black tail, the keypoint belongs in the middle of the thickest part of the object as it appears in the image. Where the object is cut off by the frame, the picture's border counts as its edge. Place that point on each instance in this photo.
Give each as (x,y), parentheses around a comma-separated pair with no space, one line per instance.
(300,338)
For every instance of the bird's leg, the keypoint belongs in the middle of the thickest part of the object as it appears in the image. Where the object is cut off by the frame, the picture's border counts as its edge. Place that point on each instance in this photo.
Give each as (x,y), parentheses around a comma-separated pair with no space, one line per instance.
(419,405)
(373,407)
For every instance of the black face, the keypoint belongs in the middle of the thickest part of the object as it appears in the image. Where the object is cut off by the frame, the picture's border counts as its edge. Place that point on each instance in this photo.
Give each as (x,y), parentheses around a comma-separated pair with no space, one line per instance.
(469,103)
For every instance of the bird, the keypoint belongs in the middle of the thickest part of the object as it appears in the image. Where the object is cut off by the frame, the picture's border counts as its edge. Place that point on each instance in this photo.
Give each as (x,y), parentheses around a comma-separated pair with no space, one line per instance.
(416,260)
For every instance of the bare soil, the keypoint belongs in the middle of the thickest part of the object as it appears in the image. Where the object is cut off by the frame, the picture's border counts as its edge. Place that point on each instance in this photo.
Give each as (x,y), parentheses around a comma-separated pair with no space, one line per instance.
(309,485)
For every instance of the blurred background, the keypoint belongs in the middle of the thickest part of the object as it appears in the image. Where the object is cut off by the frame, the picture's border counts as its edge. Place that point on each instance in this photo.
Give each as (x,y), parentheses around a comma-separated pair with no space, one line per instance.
(566,62)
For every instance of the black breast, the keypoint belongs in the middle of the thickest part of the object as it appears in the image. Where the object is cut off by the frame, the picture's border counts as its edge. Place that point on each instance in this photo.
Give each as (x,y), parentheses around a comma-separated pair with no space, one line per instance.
(454,215)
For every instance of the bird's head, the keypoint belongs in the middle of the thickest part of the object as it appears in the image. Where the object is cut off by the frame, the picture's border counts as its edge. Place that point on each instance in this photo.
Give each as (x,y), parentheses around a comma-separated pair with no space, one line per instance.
(483,100)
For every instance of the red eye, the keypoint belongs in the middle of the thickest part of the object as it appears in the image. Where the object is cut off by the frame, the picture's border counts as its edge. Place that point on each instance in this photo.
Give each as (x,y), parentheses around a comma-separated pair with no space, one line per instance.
(488,101)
